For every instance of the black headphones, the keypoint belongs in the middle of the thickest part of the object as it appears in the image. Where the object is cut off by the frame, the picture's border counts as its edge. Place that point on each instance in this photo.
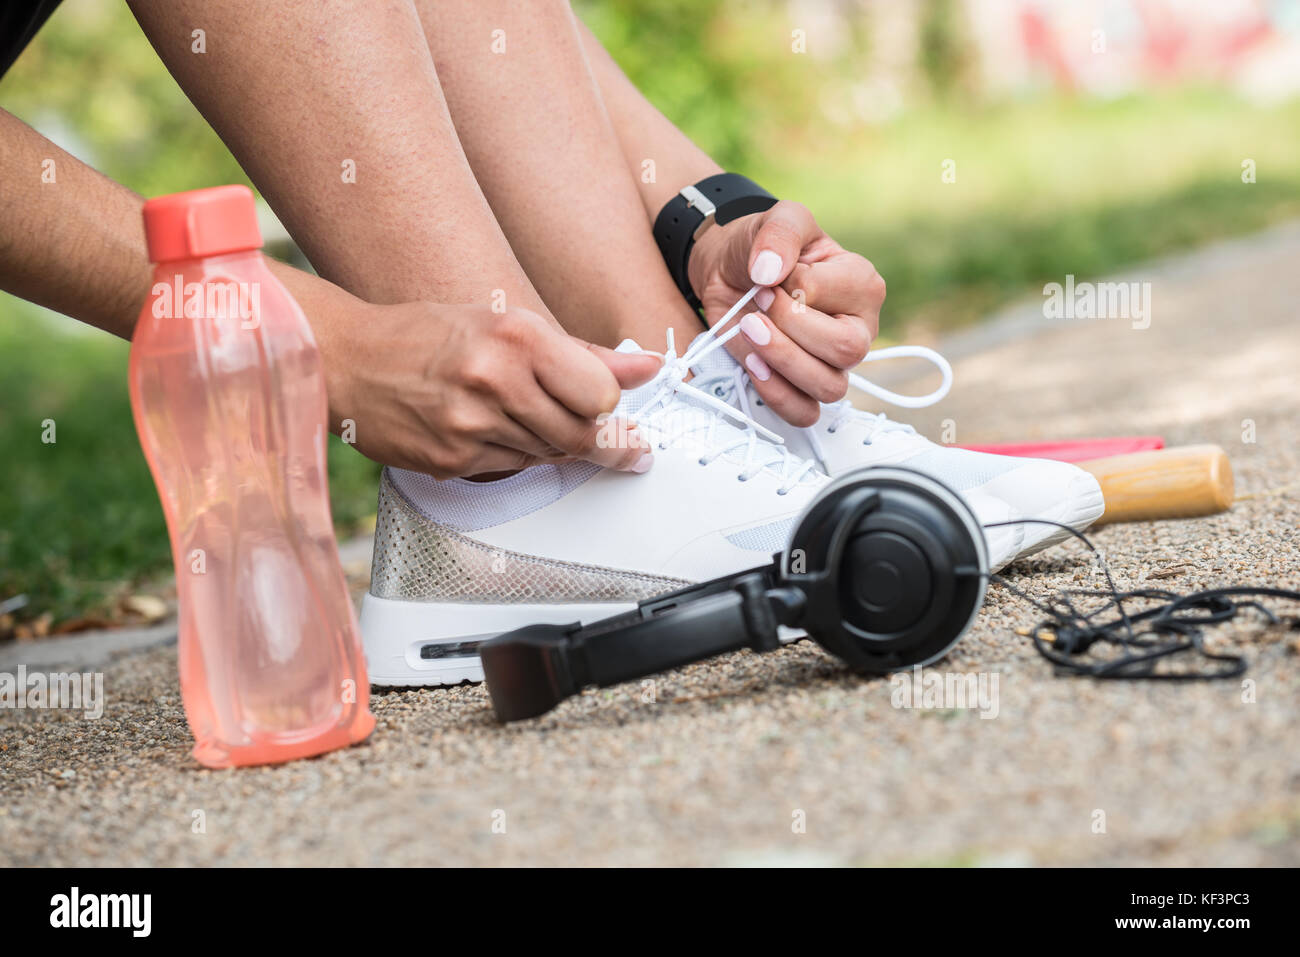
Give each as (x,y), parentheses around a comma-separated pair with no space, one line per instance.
(886,569)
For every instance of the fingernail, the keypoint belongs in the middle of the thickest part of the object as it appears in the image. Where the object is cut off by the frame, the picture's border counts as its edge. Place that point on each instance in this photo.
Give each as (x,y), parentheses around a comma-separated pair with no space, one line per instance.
(764,299)
(643,463)
(755,330)
(757,367)
(766,269)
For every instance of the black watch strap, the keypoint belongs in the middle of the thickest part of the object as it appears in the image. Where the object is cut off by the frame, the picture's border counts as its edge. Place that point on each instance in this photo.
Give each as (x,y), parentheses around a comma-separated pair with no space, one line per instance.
(716,199)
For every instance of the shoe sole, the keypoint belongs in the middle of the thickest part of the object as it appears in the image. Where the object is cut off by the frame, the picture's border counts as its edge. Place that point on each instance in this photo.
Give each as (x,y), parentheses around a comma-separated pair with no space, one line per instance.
(424,643)
(404,650)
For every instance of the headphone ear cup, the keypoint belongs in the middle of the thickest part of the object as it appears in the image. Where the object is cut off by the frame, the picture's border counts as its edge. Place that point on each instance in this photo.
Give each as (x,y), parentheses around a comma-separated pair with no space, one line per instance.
(895,568)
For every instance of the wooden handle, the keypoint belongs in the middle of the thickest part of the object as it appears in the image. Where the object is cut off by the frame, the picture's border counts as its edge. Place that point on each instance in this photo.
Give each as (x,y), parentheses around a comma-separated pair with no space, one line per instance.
(1181,482)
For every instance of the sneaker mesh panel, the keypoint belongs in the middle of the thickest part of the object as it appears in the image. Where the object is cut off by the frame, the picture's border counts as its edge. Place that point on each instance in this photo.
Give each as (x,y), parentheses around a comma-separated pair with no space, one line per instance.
(769,538)
(471,506)
(961,469)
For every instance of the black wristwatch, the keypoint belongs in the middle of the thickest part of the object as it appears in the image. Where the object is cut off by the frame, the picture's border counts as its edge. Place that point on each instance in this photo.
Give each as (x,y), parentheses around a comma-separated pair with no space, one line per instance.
(715,199)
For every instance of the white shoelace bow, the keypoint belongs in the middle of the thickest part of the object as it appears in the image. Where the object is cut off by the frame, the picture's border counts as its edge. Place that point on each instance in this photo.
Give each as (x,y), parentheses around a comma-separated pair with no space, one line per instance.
(759,453)
(731,384)
(844,410)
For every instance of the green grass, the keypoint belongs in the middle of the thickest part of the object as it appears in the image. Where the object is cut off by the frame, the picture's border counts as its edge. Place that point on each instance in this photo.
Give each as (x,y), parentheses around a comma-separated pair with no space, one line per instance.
(79,517)
(1043,189)
(948,274)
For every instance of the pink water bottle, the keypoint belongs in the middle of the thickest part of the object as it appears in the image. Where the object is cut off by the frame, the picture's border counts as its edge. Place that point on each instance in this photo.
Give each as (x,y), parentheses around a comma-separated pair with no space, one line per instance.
(229,402)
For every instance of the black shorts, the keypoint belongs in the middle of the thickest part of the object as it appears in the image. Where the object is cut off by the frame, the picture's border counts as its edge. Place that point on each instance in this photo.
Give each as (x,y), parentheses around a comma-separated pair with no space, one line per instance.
(19,21)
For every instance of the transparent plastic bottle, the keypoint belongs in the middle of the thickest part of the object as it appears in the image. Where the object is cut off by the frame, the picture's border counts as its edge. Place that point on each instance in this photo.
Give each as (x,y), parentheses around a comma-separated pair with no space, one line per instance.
(229,402)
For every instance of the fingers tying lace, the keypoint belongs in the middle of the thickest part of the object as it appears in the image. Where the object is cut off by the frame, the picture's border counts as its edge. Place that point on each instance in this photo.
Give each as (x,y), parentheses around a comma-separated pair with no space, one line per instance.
(755,447)
(727,386)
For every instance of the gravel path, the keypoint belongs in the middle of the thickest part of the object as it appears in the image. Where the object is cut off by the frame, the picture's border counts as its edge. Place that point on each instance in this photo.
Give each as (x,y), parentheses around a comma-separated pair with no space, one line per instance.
(786,758)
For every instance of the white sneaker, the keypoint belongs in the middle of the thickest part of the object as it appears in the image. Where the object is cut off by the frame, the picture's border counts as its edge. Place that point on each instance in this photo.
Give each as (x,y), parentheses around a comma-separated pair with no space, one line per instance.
(846,438)
(457,562)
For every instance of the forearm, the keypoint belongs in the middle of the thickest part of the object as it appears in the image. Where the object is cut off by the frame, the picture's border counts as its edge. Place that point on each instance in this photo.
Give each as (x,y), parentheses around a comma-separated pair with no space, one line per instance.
(70,238)
(334,315)
(646,134)
(76,245)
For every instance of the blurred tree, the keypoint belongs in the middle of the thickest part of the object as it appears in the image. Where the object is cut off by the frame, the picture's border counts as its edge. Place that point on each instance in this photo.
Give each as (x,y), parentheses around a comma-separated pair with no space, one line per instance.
(678,52)
(92,83)
(726,72)
(945,51)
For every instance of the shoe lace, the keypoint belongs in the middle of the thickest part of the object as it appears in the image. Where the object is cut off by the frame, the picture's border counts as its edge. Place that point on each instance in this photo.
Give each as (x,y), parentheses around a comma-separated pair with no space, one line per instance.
(877,422)
(756,447)
(728,387)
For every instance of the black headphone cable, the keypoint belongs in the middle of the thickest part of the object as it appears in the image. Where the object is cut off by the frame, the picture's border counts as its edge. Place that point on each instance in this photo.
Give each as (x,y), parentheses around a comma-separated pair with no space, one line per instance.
(1184,617)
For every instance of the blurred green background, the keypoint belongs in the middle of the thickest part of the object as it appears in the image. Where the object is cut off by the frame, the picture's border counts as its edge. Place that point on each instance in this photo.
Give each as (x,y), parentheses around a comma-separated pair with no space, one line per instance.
(1067,159)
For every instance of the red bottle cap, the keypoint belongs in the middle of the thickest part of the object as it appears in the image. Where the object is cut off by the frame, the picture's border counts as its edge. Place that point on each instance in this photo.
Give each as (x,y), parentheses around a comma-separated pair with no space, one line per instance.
(202,222)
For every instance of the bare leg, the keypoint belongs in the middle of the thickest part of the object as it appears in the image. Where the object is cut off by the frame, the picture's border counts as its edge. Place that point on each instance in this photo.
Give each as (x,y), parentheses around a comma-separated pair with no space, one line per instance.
(308,94)
(298,90)
(547,157)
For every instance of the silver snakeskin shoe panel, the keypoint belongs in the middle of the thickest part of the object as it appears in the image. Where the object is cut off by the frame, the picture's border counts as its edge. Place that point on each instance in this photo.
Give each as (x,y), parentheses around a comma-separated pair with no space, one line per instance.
(419,560)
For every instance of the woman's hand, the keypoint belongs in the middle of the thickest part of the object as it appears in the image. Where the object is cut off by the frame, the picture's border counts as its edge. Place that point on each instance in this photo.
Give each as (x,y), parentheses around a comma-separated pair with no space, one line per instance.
(460,390)
(815,319)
